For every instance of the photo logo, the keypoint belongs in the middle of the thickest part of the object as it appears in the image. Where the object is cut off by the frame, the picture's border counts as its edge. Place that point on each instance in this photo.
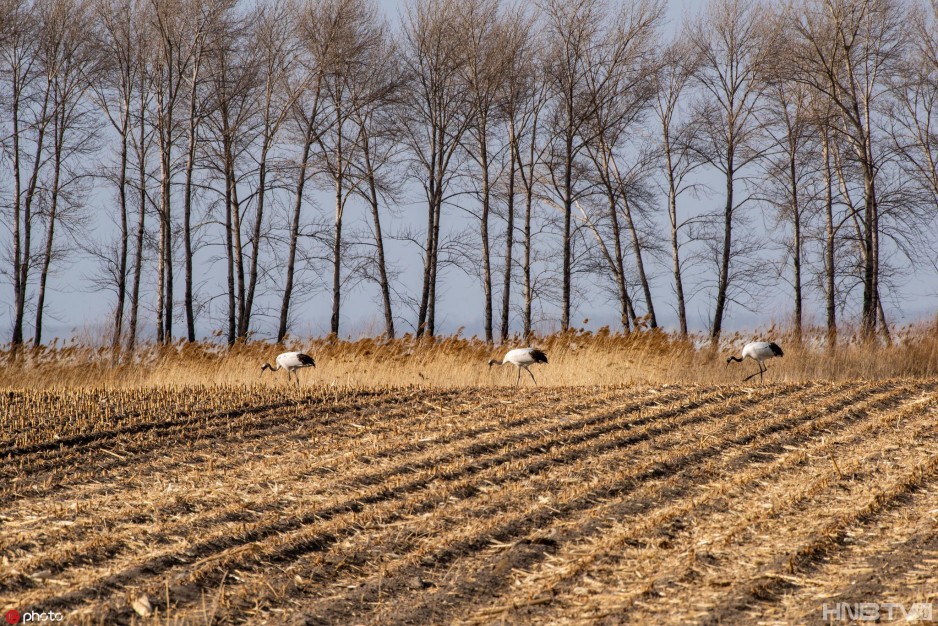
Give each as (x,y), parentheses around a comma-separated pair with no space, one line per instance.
(13,617)
(876,612)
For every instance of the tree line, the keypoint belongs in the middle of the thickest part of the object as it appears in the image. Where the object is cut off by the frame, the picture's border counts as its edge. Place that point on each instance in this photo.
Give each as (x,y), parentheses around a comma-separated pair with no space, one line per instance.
(553,150)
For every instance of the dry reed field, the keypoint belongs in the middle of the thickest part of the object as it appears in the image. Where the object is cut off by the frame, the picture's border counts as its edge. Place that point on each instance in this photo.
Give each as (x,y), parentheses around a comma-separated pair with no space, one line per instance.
(466,500)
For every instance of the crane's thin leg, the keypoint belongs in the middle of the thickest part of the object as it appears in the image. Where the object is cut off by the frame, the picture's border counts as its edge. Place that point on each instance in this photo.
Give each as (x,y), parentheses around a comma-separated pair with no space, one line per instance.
(518,382)
(532,376)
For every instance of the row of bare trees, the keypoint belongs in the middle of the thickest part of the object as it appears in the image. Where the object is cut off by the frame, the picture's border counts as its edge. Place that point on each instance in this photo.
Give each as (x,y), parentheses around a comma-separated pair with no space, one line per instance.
(556,151)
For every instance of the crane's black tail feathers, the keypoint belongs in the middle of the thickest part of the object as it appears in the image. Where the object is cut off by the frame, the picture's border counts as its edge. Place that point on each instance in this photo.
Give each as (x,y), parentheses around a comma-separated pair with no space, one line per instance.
(776,350)
(305,359)
(538,356)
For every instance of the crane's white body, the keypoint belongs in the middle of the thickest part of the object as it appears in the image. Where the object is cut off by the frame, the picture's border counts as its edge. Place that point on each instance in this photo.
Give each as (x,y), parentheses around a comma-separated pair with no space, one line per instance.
(291,361)
(523,359)
(760,352)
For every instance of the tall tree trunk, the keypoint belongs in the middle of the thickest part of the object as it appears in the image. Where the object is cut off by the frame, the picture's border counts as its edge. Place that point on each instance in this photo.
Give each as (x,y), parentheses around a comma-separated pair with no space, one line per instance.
(339,213)
(125,226)
(796,223)
(58,129)
(161,281)
(164,201)
(427,318)
(238,248)
(337,252)
(509,231)
(675,245)
(617,188)
(829,243)
(187,204)
(255,248)
(603,162)
(427,262)
(229,253)
(295,230)
(869,258)
(567,218)
(434,267)
(639,263)
(723,285)
(527,179)
(528,290)
(19,256)
(31,187)
(486,256)
(619,261)
(427,291)
(141,225)
(267,140)
(874,244)
(168,338)
(384,283)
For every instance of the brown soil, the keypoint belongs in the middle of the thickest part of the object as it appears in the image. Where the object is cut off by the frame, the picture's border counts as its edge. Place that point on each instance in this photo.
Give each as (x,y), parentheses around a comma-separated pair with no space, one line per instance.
(674,504)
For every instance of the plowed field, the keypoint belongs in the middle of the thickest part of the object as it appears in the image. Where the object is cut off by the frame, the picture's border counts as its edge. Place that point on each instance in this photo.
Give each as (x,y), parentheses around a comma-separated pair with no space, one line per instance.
(674,504)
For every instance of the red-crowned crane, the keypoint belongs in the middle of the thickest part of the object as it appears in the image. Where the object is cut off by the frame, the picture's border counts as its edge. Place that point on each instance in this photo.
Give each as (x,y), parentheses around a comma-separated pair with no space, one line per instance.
(290,361)
(522,358)
(758,351)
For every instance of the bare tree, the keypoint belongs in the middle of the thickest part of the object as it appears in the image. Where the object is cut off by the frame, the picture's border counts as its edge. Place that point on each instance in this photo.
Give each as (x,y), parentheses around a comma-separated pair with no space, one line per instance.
(434,119)
(67,58)
(357,33)
(675,70)
(830,232)
(914,120)
(141,140)
(514,94)
(620,89)
(485,32)
(788,125)
(844,50)
(374,97)
(572,30)
(114,94)
(180,29)
(318,37)
(211,25)
(29,116)
(232,129)
(731,39)
(276,53)
(524,103)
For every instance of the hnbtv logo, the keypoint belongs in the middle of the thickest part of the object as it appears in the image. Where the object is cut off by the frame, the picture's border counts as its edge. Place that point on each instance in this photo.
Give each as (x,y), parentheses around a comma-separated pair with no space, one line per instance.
(876,612)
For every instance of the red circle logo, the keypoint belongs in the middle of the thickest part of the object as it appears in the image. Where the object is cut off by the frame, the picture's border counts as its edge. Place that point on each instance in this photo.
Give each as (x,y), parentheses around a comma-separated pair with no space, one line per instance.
(12,616)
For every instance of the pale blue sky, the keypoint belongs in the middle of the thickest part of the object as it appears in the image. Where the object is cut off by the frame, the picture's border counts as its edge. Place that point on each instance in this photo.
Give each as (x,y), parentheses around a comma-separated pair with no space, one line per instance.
(74,310)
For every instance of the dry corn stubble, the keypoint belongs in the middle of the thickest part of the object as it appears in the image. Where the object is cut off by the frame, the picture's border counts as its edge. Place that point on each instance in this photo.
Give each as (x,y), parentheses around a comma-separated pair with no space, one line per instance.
(187,491)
